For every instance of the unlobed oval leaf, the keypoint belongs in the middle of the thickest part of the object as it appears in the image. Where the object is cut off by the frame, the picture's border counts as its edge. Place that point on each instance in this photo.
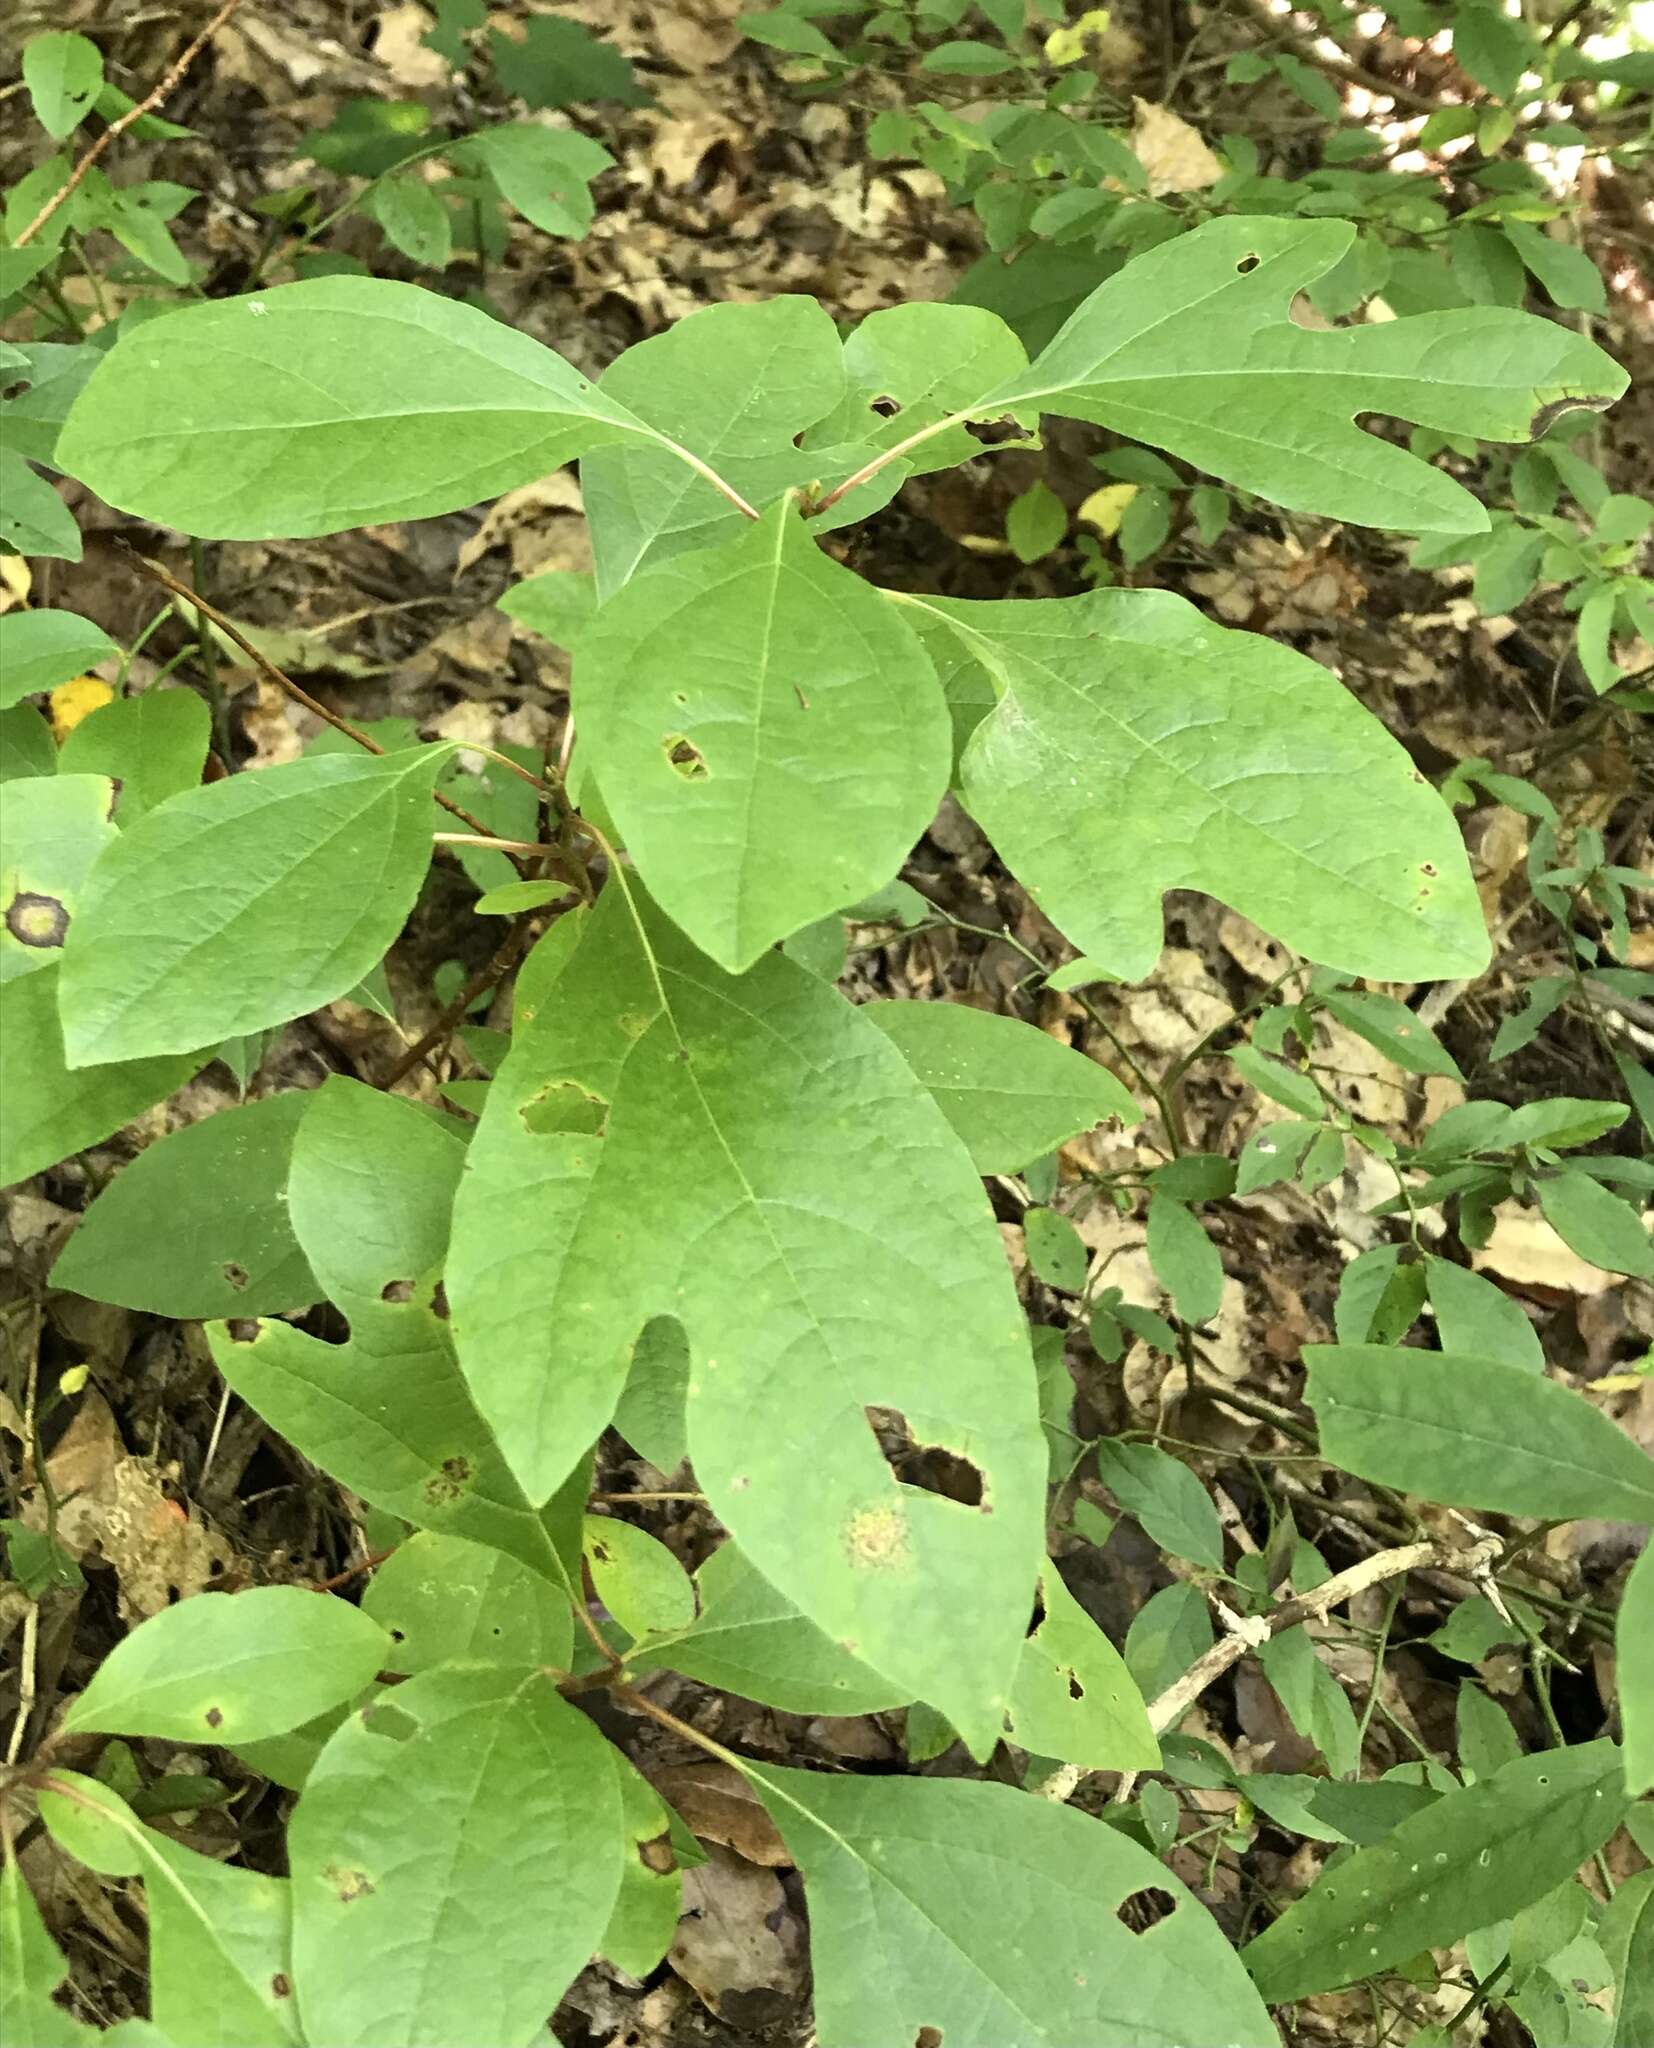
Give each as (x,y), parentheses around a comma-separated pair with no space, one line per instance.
(39,650)
(984,1915)
(198,1225)
(456,1855)
(246,902)
(336,402)
(1073,1697)
(1138,747)
(154,745)
(636,1577)
(1467,1860)
(1009,1090)
(231,1667)
(769,735)
(1473,1433)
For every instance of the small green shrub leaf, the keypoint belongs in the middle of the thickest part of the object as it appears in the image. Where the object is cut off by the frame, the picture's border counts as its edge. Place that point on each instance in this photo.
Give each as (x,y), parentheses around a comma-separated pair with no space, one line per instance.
(980,1913)
(53,1110)
(637,1578)
(39,650)
(1474,1433)
(545,173)
(1392,1029)
(154,745)
(337,402)
(750,1639)
(1184,1258)
(472,1797)
(308,873)
(1191,349)
(52,830)
(1474,1315)
(1129,719)
(1056,1250)
(197,1225)
(1597,1225)
(444,1601)
(1626,1931)
(1634,1648)
(1470,1858)
(720,697)
(1073,1697)
(1009,1090)
(1166,1498)
(231,1667)
(33,519)
(64,75)
(650,1898)
(31,1969)
(854,1266)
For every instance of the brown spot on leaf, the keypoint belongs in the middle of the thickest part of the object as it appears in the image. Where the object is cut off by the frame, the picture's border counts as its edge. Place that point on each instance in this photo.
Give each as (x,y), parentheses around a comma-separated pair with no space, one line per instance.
(658,1856)
(243,1329)
(36,920)
(281,1985)
(215,1717)
(448,1482)
(234,1274)
(347,1885)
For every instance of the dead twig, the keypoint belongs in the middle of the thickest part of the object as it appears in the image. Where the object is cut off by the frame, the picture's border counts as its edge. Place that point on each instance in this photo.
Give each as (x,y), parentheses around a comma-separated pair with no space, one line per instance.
(169,83)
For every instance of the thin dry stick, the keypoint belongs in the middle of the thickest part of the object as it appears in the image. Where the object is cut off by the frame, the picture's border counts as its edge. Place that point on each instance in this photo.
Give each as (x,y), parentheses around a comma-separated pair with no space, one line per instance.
(1171,1705)
(170,81)
(266,667)
(505,958)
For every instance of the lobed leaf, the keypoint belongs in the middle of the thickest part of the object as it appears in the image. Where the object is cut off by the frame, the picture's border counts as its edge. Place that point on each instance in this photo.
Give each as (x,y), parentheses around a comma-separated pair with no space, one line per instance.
(1225,763)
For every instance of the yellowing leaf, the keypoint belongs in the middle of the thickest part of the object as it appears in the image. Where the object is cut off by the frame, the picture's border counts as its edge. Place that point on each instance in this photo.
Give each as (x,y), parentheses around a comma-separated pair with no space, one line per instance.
(1068,45)
(1106,507)
(77,699)
(1171,152)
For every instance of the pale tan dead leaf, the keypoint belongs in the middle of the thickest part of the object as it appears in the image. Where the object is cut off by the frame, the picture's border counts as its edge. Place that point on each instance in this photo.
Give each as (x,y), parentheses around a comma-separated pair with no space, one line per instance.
(718,1805)
(272,722)
(1173,156)
(739,1944)
(696,34)
(16,580)
(544,523)
(1106,507)
(398,46)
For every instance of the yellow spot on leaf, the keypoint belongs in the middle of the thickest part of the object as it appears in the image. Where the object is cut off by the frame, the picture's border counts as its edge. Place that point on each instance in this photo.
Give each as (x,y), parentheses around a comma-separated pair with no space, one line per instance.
(1068,45)
(77,699)
(877,1537)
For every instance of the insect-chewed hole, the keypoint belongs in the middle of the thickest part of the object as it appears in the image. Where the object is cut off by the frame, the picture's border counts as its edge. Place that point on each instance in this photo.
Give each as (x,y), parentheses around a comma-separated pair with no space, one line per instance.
(16,388)
(396,1290)
(1247,263)
(885,406)
(235,1274)
(684,757)
(928,2037)
(932,1468)
(1076,1691)
(1144,1909)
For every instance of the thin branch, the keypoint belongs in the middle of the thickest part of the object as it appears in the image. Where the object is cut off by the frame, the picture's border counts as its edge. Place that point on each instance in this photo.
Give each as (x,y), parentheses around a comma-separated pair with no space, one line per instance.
(506,955)
(170,81)
(869,470)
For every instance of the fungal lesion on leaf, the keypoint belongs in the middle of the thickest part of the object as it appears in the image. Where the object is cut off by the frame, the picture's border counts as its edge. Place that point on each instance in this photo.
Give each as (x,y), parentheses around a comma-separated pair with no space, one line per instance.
(876,1537)
(448,1481)
(36,920)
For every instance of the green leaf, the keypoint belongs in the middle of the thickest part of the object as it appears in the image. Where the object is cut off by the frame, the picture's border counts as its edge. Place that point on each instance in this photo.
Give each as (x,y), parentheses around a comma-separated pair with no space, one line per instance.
(544,173)
(1129,719)
(1184,1258)
(853,1265)
(1474,1315)
(650,1899)
(559,603)
(52,830)
(1056,1250)
(637,1578)
(1474,1433)
(219,1968)
(1597,1225)
(721,696)
(1626,1932)
(1314,1701)
(1634,1656)
(414,219)
(1190,348)
(387,1413)
(41,390)
(471,1798)
(446,1601)
(556,61)
(1392,1029)
(1288,1086)
(1166,1497)
(738,384)
(1273,1153)
(39,650)
(1571,280)
(1487,1741)
(338,402)
(984,1914)
(197,1226)
(1471,1858)
(299,876)
(1491,48)
(33,519)
(973,59)
(153,745)
(64,75)
(752,1640)
(31,1969)
(1009,1090)
(53,1111)
(1035,522)
(651,1412)
(1073,1697)
(231,1667)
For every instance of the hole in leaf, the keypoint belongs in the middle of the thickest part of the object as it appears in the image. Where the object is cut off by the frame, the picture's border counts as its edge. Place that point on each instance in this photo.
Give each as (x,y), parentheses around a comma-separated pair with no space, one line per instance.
(35,920)
(565,1107)
(243,1330)
(234,1274)
(928,2037)
(685,757)
(1144,1909)
(439,1302)
(994,433)
(17,387)
(1036,1621)
(396,1290)
(886,407)
(932,1468)
(1076,1691)
(1247,263)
